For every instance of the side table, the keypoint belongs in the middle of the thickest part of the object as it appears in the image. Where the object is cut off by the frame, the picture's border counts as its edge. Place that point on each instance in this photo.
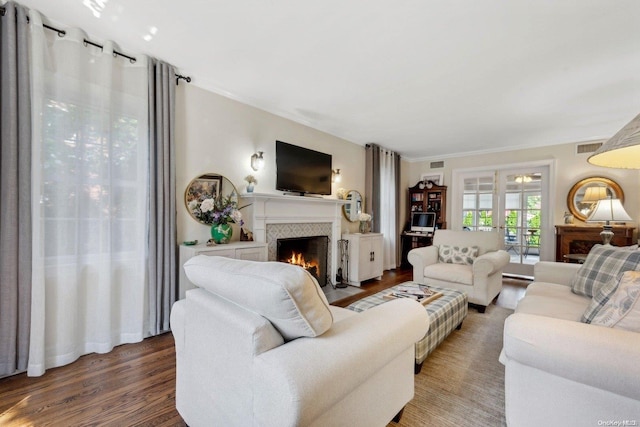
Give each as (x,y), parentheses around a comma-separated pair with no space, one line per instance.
(575,258)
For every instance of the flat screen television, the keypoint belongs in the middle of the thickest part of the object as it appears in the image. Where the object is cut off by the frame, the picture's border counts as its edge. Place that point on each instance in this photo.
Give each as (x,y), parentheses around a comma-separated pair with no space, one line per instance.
(301,170)
(423,222)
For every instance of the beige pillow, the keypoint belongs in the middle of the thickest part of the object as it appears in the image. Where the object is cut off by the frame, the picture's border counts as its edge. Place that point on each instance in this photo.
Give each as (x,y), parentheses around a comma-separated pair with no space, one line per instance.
(287,295)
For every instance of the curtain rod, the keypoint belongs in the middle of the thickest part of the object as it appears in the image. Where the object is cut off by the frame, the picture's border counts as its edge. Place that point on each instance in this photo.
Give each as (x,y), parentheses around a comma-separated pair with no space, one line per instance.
(62,33)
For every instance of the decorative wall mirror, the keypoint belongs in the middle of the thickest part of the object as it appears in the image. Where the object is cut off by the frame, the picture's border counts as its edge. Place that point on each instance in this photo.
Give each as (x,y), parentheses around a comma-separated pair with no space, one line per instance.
(206,186)
(583,196)
(354,207)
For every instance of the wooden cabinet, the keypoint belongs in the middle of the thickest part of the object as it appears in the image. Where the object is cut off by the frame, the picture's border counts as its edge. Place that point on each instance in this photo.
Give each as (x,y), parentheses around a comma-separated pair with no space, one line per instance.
(429,197)
(412,241)
(252,251)
(365,257)
(575,239)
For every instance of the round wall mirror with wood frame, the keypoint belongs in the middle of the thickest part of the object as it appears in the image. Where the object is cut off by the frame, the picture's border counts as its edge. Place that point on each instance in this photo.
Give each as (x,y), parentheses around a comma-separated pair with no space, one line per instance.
(206,186)
(353,209)
(581,208)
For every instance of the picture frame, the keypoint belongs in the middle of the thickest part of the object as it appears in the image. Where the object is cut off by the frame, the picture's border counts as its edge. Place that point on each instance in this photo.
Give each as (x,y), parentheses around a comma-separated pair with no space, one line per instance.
(206,186)
(436,178)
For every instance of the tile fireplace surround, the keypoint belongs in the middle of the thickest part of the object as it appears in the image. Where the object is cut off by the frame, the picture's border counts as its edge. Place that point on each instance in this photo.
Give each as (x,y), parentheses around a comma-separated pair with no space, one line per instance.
(273,216)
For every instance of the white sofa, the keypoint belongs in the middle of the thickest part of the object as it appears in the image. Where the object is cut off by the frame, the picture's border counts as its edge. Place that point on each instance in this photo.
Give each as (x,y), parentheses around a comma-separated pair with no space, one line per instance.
(258,345)
(480,278)
(561,372)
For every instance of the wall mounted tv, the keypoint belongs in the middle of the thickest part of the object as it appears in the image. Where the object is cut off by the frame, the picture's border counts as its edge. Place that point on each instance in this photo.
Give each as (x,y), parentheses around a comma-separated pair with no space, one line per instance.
(301,170)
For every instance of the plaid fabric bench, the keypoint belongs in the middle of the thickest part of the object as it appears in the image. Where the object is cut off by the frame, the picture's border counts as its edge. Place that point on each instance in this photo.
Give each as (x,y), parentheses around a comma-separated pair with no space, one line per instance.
(445,313)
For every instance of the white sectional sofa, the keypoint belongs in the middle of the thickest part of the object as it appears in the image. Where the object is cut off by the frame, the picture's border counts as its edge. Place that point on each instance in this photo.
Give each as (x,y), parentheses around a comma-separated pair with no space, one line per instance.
(560,371)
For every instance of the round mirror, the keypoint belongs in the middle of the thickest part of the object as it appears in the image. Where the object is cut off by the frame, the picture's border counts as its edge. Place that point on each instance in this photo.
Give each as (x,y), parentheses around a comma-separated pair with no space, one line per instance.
(353,208)
(584,195)
(203,187)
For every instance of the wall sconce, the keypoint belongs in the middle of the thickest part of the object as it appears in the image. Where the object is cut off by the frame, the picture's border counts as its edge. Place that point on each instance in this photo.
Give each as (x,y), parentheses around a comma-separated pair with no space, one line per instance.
(257,161)
(335,176)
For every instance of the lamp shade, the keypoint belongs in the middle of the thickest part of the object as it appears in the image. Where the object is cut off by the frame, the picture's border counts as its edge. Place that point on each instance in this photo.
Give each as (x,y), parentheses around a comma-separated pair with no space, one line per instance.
(609,210)
(593,194)
(622,150)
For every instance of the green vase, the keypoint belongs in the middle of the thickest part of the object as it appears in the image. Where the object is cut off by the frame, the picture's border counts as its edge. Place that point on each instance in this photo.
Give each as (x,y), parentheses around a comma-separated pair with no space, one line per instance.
(221,233)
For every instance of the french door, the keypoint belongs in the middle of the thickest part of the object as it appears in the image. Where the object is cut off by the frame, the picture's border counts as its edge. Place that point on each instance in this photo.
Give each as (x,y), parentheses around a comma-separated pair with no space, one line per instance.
(511,201)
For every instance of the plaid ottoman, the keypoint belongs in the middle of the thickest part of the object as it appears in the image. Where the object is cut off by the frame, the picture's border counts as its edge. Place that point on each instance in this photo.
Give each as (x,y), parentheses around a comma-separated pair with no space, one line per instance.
(445,313)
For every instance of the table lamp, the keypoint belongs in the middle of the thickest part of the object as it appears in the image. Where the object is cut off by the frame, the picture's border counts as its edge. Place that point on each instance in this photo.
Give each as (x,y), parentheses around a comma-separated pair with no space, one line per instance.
(622,150)
(593,194)
(608,210)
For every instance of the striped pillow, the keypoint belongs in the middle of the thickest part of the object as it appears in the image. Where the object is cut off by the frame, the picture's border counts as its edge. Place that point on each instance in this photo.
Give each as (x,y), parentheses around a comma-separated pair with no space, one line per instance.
(602,265)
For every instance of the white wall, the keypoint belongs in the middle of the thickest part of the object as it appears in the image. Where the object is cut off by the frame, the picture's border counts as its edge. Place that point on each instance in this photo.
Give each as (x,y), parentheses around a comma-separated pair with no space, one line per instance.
(569,169)
(218,135)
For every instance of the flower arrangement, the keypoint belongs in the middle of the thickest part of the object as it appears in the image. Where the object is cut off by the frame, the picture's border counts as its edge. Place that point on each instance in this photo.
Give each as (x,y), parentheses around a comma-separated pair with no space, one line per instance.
(364,217)
(222,210)
(251,179)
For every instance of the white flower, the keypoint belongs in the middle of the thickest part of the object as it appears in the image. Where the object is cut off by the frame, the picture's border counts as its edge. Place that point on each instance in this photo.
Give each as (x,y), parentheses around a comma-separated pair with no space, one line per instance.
(193,205)
(364,217)
(207,205)
(236,215)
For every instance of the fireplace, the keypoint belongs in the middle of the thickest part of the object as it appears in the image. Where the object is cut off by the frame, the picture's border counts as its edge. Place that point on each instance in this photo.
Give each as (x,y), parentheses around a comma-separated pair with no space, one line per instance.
(274,216)
(308,252)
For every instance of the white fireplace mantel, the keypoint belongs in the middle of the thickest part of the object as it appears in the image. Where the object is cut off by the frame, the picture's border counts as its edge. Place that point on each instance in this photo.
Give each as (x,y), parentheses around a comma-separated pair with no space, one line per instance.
(262,209)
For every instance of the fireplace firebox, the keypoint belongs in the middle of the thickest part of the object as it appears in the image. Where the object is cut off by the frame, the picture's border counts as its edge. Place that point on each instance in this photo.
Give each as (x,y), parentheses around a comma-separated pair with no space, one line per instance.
(307,252)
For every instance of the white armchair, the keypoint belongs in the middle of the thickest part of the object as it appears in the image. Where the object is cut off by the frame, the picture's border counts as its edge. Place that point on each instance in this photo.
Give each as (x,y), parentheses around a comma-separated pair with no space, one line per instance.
(479,277)
(258,345)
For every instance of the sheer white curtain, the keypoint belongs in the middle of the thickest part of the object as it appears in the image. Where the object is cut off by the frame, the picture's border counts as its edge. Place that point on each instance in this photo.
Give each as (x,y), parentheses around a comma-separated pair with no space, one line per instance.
(90,176)
(388,208)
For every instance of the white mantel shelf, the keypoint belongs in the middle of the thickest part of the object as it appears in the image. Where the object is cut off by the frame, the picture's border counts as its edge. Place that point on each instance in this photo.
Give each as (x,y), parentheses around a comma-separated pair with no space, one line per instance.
(287,198)
(268,208)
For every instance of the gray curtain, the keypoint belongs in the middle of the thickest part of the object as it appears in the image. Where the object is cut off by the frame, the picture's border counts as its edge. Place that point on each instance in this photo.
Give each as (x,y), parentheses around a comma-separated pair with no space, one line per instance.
(372,190)
(15,190)
(372,185)
(163,261)
(399,193)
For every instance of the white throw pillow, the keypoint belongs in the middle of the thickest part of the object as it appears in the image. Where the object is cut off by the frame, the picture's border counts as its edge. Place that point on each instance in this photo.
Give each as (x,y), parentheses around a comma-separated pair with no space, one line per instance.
(287,295)
(622,310)
(457,254)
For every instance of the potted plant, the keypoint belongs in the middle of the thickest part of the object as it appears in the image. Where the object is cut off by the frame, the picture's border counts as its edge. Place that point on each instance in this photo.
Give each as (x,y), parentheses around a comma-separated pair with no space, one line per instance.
(251,180)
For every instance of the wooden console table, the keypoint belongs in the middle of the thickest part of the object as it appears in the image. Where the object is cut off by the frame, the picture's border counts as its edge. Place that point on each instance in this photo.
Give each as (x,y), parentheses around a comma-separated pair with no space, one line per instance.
(576,239)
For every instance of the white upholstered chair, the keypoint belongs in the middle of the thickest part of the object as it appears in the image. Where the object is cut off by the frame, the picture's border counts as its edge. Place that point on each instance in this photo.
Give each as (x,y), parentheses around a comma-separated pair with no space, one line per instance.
(479,276)
(258,345)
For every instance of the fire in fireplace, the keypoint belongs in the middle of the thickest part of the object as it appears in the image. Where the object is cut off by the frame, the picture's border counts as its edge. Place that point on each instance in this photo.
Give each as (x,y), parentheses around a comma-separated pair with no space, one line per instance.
(308,252)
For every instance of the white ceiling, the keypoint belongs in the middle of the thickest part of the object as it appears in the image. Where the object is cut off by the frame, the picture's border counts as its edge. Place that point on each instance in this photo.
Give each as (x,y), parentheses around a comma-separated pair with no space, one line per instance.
(427,78)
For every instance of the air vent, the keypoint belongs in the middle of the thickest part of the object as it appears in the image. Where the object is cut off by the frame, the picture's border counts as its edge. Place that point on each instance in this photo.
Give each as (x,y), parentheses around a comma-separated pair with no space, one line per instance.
(437,165)
(588,147)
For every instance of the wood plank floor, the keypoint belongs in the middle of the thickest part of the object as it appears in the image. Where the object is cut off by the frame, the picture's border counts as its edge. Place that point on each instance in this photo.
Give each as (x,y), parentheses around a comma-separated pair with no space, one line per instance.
(134,385)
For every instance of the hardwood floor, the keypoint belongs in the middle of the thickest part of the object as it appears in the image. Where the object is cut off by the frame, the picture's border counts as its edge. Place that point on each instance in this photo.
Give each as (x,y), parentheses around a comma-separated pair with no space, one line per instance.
(134,385)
